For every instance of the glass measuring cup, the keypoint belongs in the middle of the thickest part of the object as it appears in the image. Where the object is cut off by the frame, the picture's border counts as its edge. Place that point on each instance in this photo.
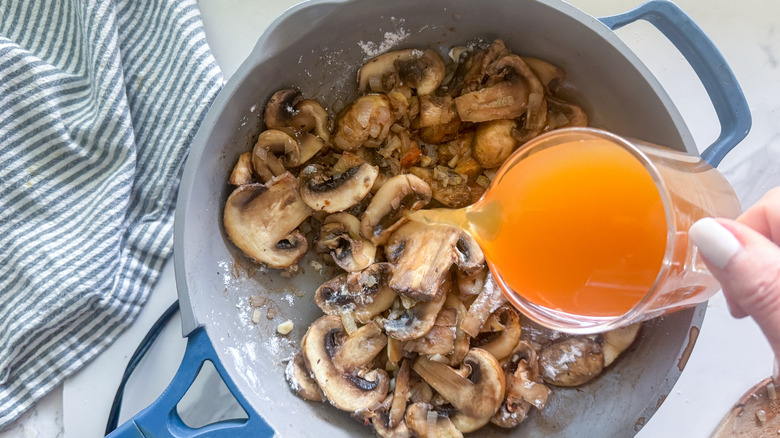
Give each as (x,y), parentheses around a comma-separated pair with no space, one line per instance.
(586,231)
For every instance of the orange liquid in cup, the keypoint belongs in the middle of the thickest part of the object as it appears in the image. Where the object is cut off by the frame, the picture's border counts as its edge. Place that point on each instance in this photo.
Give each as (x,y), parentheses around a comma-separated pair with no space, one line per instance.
(579,228)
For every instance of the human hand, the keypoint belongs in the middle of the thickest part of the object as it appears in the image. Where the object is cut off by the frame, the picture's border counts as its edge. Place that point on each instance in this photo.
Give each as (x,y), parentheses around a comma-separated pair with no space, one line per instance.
(744,257)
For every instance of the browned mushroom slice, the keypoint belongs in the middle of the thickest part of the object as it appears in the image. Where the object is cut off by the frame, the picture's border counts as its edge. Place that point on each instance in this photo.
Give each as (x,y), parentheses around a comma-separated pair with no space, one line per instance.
(489,299)
(365,293)
(367,118)
(447,186)
(502,341)
(523,390)
(417,320)
(493,142)
(436,110)
(340,237)
(477,396)
(300,381)
(421,266)
(383,429)
(470,285)
(571,362)
(400,395)
(513,69)
(261,220)
(424,71)
(461,342)
(440,339)
(385,213)
(323,191)
(379,74)
(505,100)
(360,348)
(347,389)
(562,114)
(311,116)
(549,75)
(615,342)
(264,160)
(242,172)
(471,259)
(280,109)
(425,422)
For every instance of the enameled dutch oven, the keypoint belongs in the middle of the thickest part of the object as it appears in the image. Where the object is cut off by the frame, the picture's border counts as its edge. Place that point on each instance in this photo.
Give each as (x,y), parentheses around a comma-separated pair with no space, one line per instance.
(318,47)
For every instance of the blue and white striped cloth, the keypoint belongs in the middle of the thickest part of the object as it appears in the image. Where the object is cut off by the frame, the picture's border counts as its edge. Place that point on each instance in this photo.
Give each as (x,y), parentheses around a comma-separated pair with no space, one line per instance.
(99,101)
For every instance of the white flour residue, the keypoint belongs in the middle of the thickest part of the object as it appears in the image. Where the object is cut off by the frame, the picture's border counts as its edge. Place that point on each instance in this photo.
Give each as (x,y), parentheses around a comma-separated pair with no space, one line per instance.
(391,39)
(227,268)
(244,312)
(290,298)
(243,368)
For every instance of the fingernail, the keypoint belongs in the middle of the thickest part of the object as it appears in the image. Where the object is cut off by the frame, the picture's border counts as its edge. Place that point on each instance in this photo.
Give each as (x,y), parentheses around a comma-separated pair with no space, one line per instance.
(715,242)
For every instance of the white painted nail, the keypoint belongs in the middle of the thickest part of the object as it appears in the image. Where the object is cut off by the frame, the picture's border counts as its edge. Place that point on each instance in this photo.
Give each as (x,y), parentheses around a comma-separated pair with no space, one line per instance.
(715,242)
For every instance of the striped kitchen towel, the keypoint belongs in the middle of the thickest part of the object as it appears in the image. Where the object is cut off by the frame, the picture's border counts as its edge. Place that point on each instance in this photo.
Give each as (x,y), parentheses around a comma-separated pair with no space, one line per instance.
(99,101)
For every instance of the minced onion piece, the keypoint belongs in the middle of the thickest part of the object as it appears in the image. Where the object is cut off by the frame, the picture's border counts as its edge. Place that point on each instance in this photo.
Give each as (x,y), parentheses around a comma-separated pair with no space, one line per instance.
(348,321)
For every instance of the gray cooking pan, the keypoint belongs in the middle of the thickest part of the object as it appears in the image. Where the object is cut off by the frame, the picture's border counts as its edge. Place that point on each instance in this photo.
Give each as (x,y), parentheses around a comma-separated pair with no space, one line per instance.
(318,46)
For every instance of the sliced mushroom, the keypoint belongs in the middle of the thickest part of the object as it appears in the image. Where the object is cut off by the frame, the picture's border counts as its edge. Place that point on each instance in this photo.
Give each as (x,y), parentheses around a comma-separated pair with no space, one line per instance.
(347,389)
(512,68)
(477,396)
(440,339)
(470,285)
(367,118)
(425,422)
(280,109)
(493,142)
(505,100)
(615,342)
(471,259)
(562,114)
(447,186)
(397,195)
(364,293)
(323,191)
(311,116)
(501,343)
(360,348)
(242,172)
(340,237)
(421,267)
(571,362)
(300,381)
(420,391)
(383,430)
(277,142)
(437,110)
(417,320)
(379,74)
(461,342)
(424,71)
(400,395)
(549,75)
(523,390)
(489,299)
(261,220)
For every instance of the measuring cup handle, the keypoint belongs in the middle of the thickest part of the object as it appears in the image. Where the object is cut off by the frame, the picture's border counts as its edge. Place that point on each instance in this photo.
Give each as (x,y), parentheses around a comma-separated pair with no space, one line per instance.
(161,418)
(708,63)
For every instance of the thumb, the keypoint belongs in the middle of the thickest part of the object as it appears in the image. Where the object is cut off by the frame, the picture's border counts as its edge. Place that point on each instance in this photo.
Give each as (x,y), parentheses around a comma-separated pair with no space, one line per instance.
(747,265)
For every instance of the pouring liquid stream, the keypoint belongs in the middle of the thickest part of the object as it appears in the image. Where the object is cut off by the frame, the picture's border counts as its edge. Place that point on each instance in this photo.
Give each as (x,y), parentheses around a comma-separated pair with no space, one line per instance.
(579,228)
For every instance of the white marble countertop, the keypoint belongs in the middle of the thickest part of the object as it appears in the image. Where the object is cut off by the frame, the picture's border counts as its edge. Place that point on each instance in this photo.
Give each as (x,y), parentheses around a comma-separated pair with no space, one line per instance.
(730,355)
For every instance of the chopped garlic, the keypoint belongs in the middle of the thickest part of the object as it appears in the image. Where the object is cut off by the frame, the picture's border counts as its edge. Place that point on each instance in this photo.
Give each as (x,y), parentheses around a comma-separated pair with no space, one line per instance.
(256,316)
(285,327)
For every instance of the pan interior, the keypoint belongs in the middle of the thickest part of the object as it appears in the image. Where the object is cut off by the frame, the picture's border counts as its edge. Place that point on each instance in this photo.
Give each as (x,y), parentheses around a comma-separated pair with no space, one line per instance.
(318,48)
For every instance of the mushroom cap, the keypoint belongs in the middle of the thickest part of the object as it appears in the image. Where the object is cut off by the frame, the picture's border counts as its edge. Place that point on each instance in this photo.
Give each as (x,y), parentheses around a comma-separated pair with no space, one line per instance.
(493,142)
(477,396)
(369,117)
(365,293)
(501,343)
(376,73)
(278,142)
(385,212)
(261,220)
(345,389)
(323,193)
(571,362)
(311,116)
(242,172)
(424,71)
(340,237)
(299,379)
(280,108)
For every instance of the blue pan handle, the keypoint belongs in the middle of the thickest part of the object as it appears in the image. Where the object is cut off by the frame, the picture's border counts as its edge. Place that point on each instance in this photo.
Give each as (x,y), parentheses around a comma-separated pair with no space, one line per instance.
(708,63)
(161,417)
